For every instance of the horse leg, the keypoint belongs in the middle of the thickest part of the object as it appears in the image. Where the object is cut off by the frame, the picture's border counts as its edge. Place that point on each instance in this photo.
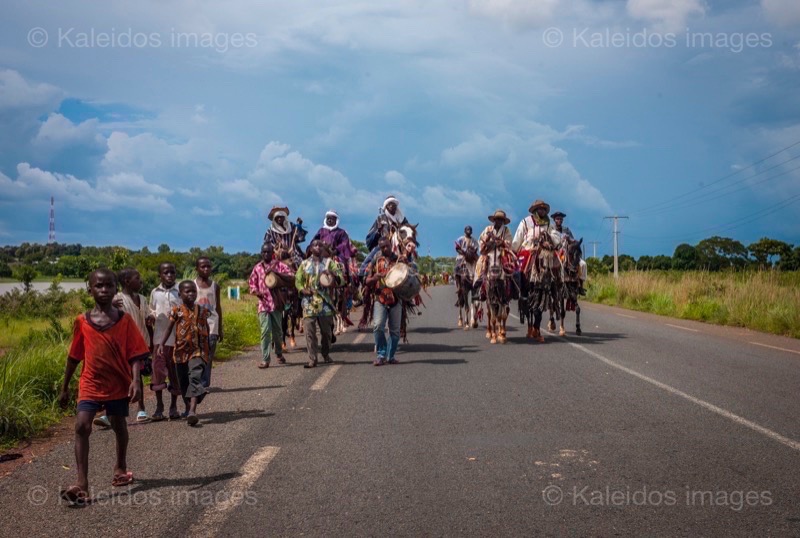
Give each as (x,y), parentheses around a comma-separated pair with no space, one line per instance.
(577,319)
(503,319)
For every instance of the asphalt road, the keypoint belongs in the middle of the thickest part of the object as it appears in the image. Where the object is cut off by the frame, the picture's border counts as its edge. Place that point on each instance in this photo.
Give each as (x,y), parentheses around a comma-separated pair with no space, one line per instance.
(642,426)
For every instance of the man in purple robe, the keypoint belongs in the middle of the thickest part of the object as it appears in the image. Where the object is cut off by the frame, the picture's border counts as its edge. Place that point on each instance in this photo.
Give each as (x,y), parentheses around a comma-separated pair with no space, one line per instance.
(336,237)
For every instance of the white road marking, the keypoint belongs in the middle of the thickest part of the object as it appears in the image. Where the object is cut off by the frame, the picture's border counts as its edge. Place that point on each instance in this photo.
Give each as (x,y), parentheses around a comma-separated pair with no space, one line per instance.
(237,491)
(627,316)
(325,378)
(776,347)
(360,338)
(702,403)
(684,328)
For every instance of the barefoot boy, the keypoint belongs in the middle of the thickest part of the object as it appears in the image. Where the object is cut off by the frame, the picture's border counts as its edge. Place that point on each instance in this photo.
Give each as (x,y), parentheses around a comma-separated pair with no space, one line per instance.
(163,299)
(190,322)
(208,298)
(111,349)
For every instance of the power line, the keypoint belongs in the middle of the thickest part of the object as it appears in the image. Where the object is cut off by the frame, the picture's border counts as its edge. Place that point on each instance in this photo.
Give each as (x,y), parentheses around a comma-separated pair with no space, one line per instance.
(723,178)
(709,196)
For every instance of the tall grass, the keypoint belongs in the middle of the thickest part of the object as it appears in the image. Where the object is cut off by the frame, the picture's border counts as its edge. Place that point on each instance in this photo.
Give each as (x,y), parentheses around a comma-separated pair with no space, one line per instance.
(767,301)
(240,325)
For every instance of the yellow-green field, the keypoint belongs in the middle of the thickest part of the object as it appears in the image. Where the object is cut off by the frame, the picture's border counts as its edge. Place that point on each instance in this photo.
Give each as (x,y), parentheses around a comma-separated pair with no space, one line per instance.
(767,301)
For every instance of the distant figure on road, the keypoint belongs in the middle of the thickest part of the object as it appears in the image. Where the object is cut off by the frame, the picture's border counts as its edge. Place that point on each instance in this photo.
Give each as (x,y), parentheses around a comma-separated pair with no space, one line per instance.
(387,307)
(270,303)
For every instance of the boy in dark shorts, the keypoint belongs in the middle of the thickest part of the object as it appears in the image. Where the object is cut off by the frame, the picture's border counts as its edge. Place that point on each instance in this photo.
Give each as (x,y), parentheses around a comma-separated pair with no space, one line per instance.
(112,349)
(190,322)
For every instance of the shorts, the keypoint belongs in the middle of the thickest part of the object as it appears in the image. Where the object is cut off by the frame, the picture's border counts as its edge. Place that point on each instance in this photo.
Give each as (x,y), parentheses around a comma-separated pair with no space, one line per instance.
(113,408)
(163,369)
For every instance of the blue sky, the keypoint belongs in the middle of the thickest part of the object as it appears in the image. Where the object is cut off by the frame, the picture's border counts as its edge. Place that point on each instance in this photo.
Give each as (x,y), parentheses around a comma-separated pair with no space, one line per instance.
(183,122)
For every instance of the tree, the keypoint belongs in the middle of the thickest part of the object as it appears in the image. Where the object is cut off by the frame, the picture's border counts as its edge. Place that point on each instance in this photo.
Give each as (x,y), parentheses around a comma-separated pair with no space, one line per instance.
(765,248)
(685,257)
(25,274)
(722,253)
(163,248)
(595,267)
(790,262)
(661,263)
(5,270)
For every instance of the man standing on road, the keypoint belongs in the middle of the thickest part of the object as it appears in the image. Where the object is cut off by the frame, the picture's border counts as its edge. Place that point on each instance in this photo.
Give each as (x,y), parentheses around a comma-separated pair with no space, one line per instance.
(387,307)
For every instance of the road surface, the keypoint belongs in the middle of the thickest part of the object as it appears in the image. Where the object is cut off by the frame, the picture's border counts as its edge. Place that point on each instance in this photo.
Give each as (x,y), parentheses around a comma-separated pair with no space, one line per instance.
(642,426)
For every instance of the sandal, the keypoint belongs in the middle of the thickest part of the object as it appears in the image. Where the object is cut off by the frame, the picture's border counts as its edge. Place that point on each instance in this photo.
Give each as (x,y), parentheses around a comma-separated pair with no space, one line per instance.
(263,365)
(75,496)
(158,416)
(142,416)
(175,416)
(281,360)
(122,480)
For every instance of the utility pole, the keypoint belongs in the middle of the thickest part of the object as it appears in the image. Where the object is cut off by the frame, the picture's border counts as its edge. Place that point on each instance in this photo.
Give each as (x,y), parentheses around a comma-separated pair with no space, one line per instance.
(616,244)
(594,248)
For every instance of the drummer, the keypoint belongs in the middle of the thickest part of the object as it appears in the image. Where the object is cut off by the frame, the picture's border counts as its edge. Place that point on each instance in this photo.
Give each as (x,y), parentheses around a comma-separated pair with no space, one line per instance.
(318,307)
(387,307)
(270,318)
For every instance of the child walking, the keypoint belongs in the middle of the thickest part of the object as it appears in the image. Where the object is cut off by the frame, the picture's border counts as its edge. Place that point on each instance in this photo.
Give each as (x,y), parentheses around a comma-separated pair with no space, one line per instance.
(190,322)
(111,349)
(208,297)
(163,299)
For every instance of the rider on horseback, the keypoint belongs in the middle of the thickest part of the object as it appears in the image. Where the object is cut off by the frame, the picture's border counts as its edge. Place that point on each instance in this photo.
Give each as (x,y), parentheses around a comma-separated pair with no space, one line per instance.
(567,238)
(285,236)
(532,236)
(495,236)
(467,249)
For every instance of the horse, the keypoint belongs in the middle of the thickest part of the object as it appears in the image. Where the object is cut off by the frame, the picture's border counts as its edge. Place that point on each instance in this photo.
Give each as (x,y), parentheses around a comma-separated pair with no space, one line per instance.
(542,286)
(496,284)
(467,293)
(570,284)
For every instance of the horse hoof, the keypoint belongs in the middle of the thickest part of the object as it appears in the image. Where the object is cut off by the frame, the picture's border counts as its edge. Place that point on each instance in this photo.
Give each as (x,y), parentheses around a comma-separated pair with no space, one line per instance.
(562,332)
(502,339)
(460,323)
(466,327)
(493,341)
(551,326)
(474,324)
(292,343)
(578,332)
(540,339)
(488,335)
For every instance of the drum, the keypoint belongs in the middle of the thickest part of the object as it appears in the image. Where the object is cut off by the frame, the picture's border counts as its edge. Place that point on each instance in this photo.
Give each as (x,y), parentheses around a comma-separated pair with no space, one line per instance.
(403,281)
(275,280)
(327,279)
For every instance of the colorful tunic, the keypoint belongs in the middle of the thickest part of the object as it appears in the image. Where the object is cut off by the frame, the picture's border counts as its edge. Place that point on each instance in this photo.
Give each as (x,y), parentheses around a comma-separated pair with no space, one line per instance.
(320,302)
(191,333)
(257,285)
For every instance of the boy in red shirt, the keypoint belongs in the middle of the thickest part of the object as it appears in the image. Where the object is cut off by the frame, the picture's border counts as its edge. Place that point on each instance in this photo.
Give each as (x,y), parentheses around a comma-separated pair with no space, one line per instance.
(109,345)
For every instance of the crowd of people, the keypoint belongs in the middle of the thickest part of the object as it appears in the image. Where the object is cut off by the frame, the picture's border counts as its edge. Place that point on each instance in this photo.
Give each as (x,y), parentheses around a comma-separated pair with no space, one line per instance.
(173,334)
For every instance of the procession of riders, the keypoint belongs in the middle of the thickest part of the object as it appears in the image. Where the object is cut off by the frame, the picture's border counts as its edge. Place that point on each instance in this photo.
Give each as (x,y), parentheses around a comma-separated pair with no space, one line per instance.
(313,290)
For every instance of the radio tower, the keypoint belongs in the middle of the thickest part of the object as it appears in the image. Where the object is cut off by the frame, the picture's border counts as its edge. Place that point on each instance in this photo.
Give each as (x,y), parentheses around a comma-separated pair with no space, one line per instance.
(52,237)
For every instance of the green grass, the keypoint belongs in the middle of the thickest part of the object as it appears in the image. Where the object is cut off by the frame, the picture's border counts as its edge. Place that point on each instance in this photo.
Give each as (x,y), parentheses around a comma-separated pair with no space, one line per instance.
(767,301)
(13,330)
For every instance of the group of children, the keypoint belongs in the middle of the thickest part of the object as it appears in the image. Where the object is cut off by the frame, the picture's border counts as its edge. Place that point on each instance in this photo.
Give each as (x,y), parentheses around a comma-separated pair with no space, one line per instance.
(179,327)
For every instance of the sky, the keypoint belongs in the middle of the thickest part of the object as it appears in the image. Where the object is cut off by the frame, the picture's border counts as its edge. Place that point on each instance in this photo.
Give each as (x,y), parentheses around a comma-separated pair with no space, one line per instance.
(183,122)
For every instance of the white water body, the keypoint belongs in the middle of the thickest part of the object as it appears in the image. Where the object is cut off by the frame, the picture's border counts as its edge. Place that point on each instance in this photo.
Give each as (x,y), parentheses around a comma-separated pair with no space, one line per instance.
(5,287)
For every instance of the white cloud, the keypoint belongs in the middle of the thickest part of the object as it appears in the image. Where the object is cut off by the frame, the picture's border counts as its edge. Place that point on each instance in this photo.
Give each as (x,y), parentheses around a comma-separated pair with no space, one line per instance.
(118,191)
(393,177)
(203,212)
(516,13)
(58,132)
(576,132)
(509,164)
(16,92)
(671,15)
(782,12)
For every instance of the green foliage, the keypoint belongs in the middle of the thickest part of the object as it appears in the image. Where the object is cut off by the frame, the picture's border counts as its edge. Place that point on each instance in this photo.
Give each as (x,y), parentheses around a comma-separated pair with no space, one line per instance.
(53,303)
(765,249)
(717,253)
(685,258)
(25,274)
(241,330)
(30,383)
(5,270)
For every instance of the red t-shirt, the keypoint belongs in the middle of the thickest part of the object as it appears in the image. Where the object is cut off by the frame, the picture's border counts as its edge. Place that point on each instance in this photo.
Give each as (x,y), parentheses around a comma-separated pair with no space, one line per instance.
(106,354)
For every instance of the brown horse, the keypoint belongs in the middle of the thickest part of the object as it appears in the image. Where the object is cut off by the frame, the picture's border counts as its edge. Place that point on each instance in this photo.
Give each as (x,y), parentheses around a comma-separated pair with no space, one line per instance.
(543,284)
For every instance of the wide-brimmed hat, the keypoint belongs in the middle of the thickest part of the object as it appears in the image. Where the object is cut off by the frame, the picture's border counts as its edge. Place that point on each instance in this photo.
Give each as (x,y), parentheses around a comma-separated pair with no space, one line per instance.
(537,204)
(277,209)
(558,214)
(499,214)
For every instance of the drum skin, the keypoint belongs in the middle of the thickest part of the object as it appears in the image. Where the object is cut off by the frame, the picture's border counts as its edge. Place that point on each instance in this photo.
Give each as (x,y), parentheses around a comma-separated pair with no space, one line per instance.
(403,281)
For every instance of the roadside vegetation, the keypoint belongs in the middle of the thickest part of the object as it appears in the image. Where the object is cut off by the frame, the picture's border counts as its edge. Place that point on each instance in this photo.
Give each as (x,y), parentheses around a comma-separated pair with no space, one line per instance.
(767,301)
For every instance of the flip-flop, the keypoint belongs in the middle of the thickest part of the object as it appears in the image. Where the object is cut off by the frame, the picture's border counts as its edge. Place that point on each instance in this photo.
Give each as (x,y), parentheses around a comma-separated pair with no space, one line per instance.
(142,416)
(175,416)
(75,496)
(122,480)
(158,416)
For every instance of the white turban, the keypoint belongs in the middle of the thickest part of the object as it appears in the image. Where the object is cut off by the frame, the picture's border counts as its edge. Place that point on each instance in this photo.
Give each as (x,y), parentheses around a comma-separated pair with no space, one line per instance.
(330,213)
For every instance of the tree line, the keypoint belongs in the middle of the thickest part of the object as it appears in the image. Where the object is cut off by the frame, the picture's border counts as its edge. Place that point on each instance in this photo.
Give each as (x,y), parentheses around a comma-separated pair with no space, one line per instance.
(712,254)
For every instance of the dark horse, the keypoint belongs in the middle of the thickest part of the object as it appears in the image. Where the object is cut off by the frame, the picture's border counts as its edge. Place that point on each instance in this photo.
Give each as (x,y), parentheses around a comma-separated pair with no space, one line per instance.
(467,292)
(570,286)
(541,286)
